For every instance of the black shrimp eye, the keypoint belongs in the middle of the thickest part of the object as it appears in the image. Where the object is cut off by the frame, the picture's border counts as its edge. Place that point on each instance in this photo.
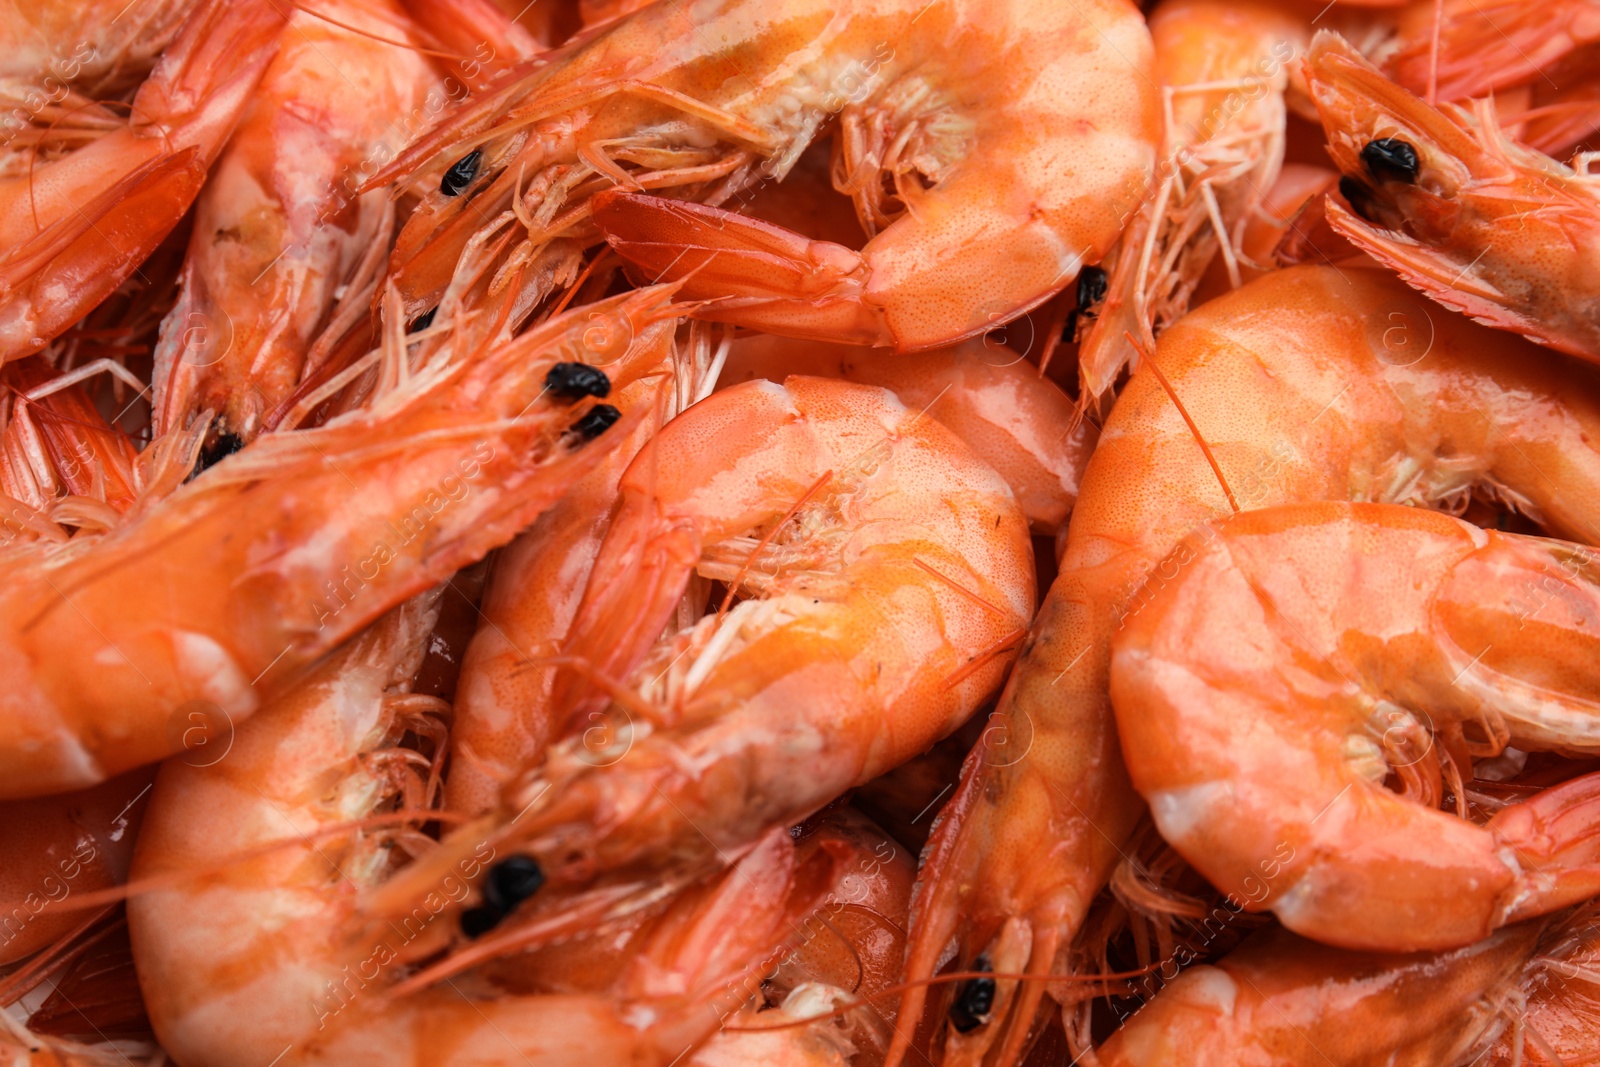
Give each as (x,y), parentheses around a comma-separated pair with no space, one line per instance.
(1389,159)
(475,922)
(1357,195)
(458,177)
(574,381)
(1091,288)
(422,321)
(218,449)
(511,881)
(597,421)
(970,1009)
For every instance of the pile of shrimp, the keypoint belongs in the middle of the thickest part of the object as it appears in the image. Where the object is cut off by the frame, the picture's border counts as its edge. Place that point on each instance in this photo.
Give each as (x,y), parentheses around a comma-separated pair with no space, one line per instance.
(827,534)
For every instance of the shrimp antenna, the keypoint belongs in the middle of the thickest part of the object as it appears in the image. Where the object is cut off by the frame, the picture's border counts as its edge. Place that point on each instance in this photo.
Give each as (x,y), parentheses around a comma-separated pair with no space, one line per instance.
(1433,54)
(165,879)
(1150,361)
(941,979)
(963,590)
(410,46)
(982,659)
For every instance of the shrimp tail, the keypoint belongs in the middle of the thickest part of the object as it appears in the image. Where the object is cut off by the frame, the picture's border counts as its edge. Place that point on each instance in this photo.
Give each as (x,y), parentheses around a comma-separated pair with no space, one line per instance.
(1554,832)
(189,104)
(751,273)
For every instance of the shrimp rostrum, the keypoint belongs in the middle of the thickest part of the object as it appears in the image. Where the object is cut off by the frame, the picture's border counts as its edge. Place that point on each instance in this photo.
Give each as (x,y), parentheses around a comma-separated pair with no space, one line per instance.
(216,595)
(883,574)
(1017,137)
(1283,665)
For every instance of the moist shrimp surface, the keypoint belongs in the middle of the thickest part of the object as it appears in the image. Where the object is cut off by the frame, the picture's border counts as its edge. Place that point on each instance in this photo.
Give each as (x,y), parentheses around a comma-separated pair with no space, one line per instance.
(882,572)
(1020,423)
(1016,136)
(75,226)
(252,948)
(1307,384)
(267,561)
(1281,664)
(1280,999)
(279,226)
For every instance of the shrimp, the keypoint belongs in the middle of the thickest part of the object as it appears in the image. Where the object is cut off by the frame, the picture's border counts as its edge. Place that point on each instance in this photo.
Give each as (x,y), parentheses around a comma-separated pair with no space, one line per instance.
(884,572)
(267,561)
(278,227)
(1479,223)
(228,980)
(53,51)
(504,720)
(1268,226)
(849,954)
(1223,69)
(1310,383)
(1022,425)
(74,227)
(1470,48)
(1556,1015)
(55,444)
(1342,639)
(1561,117)
(1034,124)
(486,39)
(1279,999)
(61,845)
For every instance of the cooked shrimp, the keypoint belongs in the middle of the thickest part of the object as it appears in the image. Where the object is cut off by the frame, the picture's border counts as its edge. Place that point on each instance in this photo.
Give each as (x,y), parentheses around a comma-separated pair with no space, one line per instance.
(1562,117)
(55,444)
(504,719)
(1337,641)
(1223,67)
(1556,1017)
(849,953)
(228,980)
(1022,425)
(74,227)
(53,49)
(1268,226)
(279,226)
(485,39)
(268,560)
(1469,48)
(1465,214)
(57,846)
(1033,123)
(1307,384)
(1279,999)
(884,572)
